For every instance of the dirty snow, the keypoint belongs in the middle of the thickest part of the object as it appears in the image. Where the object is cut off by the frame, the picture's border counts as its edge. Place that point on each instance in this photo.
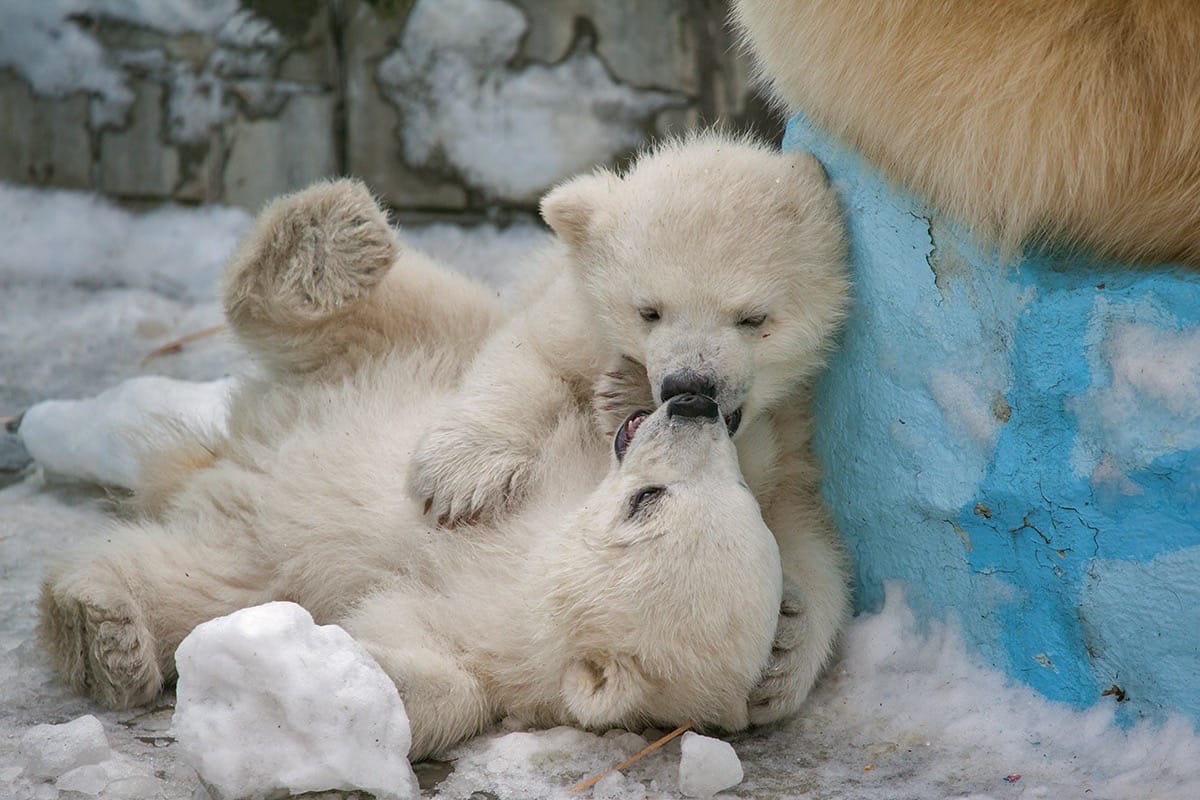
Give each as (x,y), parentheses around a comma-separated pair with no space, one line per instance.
(905,713)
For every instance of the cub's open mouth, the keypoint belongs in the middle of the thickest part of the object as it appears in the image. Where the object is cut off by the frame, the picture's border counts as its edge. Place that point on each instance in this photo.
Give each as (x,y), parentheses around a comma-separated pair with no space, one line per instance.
(732,421)
(625,433)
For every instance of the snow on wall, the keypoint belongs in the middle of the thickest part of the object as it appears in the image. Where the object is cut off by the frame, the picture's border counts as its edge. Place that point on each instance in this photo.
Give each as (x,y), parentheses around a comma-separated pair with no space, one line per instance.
(1017,441)
(51,43)
(453,105)
(510,132)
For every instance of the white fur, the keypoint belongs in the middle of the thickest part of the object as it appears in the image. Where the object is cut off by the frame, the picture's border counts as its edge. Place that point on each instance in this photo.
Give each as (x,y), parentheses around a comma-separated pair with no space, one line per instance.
(708,232)
(570,610)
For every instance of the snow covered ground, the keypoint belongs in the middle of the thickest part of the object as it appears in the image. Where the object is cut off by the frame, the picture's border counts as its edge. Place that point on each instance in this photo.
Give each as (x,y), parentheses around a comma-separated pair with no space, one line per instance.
(87,290)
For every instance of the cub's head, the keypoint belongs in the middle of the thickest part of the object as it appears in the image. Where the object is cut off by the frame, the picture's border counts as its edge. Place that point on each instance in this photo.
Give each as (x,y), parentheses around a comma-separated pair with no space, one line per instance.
(669,562)
(676,485)
(716,263)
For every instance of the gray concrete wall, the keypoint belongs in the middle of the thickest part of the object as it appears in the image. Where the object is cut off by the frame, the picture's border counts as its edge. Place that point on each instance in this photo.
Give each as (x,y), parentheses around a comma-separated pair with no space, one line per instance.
(443,106)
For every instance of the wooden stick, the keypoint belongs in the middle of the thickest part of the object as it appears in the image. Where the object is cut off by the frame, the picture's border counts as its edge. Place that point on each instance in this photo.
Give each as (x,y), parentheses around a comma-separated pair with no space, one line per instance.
(177,345)
(645,751)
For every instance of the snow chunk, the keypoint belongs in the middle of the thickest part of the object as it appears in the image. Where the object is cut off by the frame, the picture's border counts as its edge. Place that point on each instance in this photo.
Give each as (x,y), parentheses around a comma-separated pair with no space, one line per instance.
(98,439)
(707,766)
(267,700)
(60,238)
(53,750)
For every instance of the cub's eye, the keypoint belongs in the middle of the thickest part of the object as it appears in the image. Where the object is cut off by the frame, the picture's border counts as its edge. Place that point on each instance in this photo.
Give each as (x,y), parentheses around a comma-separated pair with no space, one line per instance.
(753,321)
(644,499)
(650,314)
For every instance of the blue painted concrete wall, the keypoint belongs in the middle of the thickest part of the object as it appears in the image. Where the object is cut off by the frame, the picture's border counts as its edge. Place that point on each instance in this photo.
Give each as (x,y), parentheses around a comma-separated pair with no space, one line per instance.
(1018,441)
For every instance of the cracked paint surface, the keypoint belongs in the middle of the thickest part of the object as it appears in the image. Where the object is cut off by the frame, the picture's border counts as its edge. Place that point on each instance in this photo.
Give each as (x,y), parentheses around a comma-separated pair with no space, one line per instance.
(1019,442)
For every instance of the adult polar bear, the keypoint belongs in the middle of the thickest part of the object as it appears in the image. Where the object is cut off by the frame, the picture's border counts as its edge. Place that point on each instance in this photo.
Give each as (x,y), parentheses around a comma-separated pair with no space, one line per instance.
(1073,121)
(639,587)
(714,267)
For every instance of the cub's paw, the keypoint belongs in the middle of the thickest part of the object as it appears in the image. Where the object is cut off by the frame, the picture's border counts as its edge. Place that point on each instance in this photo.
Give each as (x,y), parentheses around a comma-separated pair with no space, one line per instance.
(602,692)
(791,669)
(619,391)
(311,253)
(462,472)
(101,648)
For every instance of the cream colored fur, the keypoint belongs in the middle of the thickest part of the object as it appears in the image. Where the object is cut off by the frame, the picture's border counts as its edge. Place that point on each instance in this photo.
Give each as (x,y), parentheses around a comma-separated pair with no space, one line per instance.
(1073,120)
(739,251)
(574,609)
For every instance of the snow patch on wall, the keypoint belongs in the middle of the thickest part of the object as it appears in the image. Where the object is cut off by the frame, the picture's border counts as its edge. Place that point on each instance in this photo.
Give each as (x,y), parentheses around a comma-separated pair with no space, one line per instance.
(509,131)
(1145,399)
(53,44)
(968,405)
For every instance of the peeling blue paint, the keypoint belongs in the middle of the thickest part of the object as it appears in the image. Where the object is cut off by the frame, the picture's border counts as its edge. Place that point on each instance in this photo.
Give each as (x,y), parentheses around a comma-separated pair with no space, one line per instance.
(1019,441)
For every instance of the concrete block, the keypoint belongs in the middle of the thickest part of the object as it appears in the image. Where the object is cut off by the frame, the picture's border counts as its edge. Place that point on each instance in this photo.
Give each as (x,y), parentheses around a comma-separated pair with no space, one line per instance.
(137,160)
(1018,442)
(43,140)
(278,154)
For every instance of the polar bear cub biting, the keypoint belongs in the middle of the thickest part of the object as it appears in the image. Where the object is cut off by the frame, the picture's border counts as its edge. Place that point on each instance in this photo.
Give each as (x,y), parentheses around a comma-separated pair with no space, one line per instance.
(626,566)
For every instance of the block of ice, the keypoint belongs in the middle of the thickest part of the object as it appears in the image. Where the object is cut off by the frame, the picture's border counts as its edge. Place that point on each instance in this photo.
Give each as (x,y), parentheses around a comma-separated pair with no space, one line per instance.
(707,766)
(49,751)
(268,701)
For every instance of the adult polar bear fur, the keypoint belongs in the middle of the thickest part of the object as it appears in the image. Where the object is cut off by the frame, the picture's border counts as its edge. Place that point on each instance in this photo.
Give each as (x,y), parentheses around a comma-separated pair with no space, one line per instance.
(635,588)
(1071,120)
(713,266)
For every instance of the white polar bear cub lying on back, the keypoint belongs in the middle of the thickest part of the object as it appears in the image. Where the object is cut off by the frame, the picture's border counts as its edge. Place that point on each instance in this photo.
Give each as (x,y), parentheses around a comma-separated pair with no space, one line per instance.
(637,584)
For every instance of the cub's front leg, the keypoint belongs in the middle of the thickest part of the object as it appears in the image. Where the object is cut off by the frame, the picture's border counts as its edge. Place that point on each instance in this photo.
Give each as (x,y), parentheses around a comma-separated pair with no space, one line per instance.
(621,389)
(475,461)
(445,702)
(816,586)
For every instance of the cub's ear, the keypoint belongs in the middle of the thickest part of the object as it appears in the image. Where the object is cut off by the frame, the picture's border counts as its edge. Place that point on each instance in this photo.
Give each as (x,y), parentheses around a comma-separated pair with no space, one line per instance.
(570,209)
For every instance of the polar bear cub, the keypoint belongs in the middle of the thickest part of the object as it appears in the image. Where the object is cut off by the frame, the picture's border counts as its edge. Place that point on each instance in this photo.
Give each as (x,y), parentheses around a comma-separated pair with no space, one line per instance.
(638,585)
(712,266)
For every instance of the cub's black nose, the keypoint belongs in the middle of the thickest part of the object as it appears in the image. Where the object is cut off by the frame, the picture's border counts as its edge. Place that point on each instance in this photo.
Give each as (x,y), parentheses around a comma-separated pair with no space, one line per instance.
(687,382)
(693,405)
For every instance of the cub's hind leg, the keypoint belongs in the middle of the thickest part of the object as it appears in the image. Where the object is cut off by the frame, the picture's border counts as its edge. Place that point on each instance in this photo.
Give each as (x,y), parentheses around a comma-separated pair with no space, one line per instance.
(323,282)
(112,615)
